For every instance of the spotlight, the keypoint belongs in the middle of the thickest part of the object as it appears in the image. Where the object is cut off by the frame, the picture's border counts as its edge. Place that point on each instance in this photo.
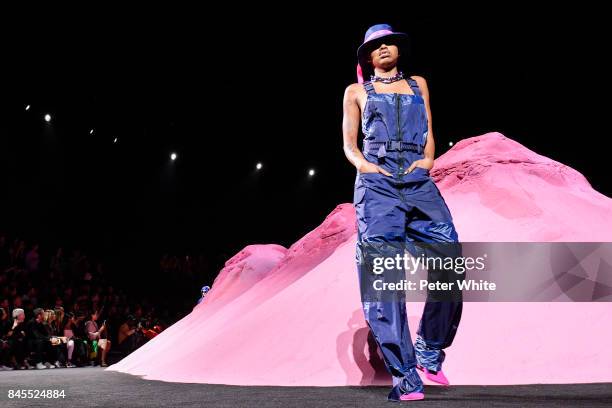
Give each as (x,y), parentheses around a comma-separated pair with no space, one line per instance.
(259,166)
(173,156)
(27,107)
(311,172)
(450,143)
(47,118)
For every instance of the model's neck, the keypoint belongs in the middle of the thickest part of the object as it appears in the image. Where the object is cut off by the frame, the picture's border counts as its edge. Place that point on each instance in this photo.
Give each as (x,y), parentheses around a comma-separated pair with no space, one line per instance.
(379,72)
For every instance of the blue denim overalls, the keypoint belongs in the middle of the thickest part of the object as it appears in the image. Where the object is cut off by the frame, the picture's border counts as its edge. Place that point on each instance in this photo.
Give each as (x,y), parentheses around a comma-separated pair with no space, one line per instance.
(400,209)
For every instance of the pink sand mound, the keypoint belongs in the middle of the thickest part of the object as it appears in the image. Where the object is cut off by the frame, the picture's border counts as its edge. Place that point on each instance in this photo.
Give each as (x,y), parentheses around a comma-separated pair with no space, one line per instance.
(279,316)
(518,195)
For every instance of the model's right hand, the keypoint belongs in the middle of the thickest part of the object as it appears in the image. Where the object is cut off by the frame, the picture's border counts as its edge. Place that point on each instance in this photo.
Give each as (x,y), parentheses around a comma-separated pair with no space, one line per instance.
(367,167)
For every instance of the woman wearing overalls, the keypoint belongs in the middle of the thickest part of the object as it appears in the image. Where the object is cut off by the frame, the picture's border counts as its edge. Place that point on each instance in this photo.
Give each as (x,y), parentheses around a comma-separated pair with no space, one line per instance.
(397,202)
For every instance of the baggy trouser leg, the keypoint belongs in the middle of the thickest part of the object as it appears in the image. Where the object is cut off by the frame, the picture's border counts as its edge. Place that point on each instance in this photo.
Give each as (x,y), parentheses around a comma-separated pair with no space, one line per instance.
(442,311)
(436,332)
(386,316)
(389,325)
(432,225)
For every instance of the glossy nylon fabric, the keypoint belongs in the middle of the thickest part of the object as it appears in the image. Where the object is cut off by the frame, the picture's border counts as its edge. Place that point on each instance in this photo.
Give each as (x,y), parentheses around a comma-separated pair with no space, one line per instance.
(401,209)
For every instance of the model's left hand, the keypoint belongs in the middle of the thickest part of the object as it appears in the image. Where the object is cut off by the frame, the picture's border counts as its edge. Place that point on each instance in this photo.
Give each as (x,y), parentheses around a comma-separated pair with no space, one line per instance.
(425,163)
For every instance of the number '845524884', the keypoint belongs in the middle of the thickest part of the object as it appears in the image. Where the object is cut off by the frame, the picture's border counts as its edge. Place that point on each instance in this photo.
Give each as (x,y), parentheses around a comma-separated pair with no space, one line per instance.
(35,394)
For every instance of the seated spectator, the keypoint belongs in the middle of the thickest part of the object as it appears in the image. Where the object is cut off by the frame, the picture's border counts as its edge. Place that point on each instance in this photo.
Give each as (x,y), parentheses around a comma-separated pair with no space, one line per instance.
(69,328)
(96,334)
(17,339)
(74,329)
(5,327)
(130,335)
(59,346)
(40,342)
(59,319)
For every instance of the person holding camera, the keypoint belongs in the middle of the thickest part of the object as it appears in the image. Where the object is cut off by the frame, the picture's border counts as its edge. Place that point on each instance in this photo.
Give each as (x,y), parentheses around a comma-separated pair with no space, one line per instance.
(130,335)
(98,335)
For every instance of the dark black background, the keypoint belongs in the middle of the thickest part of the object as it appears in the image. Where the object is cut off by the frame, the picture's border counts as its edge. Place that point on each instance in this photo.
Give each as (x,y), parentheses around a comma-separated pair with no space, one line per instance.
(231,88)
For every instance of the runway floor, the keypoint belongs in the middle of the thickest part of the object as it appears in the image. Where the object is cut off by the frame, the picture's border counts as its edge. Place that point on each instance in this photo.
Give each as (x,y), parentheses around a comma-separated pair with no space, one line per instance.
(94,387)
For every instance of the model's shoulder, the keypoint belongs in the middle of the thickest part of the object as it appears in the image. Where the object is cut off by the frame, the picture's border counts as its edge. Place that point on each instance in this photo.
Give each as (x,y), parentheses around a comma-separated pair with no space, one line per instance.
(420,80)
(354,89)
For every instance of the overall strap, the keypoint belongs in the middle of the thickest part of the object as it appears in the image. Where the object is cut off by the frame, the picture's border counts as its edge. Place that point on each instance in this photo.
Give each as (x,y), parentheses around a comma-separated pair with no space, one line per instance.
(415,87)
(369,87)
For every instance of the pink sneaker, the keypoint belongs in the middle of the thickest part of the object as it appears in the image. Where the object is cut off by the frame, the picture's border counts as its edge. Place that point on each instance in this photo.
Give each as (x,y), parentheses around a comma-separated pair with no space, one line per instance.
(438,377)
(412,396)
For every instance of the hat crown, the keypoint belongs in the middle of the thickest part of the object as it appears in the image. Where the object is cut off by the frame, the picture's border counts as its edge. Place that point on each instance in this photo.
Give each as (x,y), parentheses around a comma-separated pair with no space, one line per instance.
(375,28)
(374,36)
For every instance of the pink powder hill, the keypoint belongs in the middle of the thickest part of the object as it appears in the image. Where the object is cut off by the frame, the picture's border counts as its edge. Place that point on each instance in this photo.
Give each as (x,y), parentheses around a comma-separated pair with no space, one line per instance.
(292,317)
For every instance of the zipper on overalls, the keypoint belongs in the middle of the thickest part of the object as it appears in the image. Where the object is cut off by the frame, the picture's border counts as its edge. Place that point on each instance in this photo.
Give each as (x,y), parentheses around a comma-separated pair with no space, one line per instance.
(399,134)
(399,138)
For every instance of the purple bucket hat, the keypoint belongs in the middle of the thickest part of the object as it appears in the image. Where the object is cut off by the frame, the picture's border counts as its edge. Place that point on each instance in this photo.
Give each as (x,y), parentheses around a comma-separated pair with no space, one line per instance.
(374,37)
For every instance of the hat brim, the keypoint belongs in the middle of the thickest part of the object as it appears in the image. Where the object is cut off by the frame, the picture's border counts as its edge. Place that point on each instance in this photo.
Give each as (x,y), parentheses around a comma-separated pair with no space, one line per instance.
(363,52)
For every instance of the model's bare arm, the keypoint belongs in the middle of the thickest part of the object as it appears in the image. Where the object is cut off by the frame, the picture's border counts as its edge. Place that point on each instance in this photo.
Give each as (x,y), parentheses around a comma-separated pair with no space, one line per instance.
(350,131)
(350,127)
(430,147)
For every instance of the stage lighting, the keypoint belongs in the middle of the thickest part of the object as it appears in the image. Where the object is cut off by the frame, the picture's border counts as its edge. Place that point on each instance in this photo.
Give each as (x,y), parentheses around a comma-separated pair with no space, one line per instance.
(173,156)
(47,118)
(259,166)
(311,172)
(450,143)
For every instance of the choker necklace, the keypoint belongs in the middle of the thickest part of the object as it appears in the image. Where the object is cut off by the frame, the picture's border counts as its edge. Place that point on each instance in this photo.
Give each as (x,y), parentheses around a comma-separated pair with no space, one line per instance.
(387,80)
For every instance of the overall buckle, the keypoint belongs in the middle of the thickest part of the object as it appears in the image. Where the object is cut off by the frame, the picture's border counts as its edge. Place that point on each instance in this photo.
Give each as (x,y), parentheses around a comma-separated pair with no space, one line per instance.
(391,145)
